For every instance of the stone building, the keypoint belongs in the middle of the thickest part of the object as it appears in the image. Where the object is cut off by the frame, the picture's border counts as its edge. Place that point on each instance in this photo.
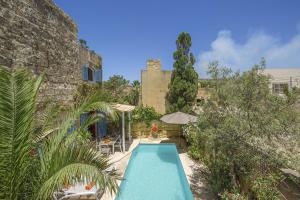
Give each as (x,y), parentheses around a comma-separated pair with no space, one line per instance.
(38,35)
(154,86)
(283,77)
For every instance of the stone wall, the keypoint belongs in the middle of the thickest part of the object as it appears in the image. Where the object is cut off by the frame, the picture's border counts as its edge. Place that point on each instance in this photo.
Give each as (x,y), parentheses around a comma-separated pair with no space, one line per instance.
(141,130)
(154,86)
(38,35)
(89,57)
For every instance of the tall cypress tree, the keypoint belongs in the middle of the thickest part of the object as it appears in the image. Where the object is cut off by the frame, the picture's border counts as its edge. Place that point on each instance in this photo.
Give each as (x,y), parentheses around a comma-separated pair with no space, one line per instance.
(184,81)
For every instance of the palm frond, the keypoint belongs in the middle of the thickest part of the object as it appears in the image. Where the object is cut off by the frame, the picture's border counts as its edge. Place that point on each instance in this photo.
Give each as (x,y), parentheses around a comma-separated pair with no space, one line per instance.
(81,133)
(90,104)
(75,163)
(46,121)
(24,174)
(17,106)
(62,150)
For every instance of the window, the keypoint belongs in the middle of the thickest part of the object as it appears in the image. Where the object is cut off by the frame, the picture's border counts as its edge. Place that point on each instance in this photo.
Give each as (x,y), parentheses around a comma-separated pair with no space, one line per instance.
(279,88)
(90,74)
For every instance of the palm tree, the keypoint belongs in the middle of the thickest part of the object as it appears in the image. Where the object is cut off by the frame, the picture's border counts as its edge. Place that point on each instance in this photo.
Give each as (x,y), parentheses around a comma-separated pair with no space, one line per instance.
(36,162)
(135,93)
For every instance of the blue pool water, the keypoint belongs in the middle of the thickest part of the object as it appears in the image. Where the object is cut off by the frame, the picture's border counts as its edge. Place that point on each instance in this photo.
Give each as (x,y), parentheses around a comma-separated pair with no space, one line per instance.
(154,172)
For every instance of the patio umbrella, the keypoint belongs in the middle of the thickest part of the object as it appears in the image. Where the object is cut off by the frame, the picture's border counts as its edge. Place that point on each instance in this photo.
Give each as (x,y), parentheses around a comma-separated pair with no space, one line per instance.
(178,118)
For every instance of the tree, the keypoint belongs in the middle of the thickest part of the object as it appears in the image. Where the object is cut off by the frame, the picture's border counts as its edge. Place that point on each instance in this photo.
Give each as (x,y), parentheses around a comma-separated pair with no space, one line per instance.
(117,85)
(36,160)
(184,81)
(145,114)
(246,133)
(134,95)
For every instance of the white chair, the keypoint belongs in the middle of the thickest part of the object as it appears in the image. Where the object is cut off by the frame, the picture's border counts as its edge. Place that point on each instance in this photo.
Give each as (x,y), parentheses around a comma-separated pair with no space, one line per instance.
(65,196)
(118,143)
(105,149)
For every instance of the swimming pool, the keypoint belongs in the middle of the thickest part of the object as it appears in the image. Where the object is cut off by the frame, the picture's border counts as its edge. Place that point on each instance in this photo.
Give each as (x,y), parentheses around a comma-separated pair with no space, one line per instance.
(155,172)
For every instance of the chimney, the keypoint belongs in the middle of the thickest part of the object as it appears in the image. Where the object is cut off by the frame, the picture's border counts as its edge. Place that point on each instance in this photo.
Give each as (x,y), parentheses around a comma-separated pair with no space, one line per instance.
(153,64)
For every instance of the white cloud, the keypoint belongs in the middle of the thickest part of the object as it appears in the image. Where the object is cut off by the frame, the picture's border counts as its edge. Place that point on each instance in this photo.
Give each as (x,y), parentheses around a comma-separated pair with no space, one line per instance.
(243,56)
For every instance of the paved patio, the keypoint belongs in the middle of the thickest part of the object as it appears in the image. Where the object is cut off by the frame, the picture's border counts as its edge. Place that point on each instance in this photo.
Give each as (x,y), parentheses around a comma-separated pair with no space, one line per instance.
(193,171)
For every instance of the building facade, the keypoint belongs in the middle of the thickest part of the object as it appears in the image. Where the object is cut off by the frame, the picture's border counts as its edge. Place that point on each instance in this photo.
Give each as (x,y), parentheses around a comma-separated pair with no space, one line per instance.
(281,78)
(154,86)
(38,35)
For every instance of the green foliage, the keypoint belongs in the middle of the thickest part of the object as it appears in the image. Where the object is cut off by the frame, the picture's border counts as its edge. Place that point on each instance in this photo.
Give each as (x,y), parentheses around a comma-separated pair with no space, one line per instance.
(184,81)
(206,83)
(115,90)
(233,196)
(145,114)
(265,187)
(117,86)
(134,94)
(17,107)
(244,130)
(85,90)
(38,159)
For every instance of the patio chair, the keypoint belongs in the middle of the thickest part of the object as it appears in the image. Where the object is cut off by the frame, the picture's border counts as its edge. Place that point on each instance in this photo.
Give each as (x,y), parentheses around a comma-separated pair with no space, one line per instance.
(104,149)
(118,143)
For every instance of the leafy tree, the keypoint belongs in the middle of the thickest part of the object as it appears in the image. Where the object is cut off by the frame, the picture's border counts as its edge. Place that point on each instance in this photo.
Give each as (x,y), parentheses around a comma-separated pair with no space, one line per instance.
(145,114)
(37,160)
(184,81)
(118,87)
(246,133)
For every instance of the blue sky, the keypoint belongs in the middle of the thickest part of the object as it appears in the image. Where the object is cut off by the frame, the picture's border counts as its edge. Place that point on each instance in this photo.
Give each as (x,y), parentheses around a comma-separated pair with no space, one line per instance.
(237,33)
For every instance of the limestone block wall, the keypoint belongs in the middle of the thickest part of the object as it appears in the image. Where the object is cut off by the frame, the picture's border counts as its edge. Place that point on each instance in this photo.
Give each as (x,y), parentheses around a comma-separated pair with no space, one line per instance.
(38,35)
(154,86)
(141,130)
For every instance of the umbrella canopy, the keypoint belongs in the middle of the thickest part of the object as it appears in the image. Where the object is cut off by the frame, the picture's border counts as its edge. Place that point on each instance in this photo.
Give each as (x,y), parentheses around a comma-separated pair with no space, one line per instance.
(178,118)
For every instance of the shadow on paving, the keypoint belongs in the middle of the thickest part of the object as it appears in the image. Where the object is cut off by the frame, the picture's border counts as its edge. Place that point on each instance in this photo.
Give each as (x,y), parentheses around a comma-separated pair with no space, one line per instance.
(199,185)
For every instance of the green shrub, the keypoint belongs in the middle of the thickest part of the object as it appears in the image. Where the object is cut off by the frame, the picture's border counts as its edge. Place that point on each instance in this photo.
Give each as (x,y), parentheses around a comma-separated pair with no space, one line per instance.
(265,187)
(196,148)
(244,130)
(145,114)
(233,196)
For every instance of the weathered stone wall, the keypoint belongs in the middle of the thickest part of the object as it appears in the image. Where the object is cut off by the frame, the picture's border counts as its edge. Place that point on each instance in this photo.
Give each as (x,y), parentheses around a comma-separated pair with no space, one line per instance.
(154,86)
(38,35)
(89,57)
